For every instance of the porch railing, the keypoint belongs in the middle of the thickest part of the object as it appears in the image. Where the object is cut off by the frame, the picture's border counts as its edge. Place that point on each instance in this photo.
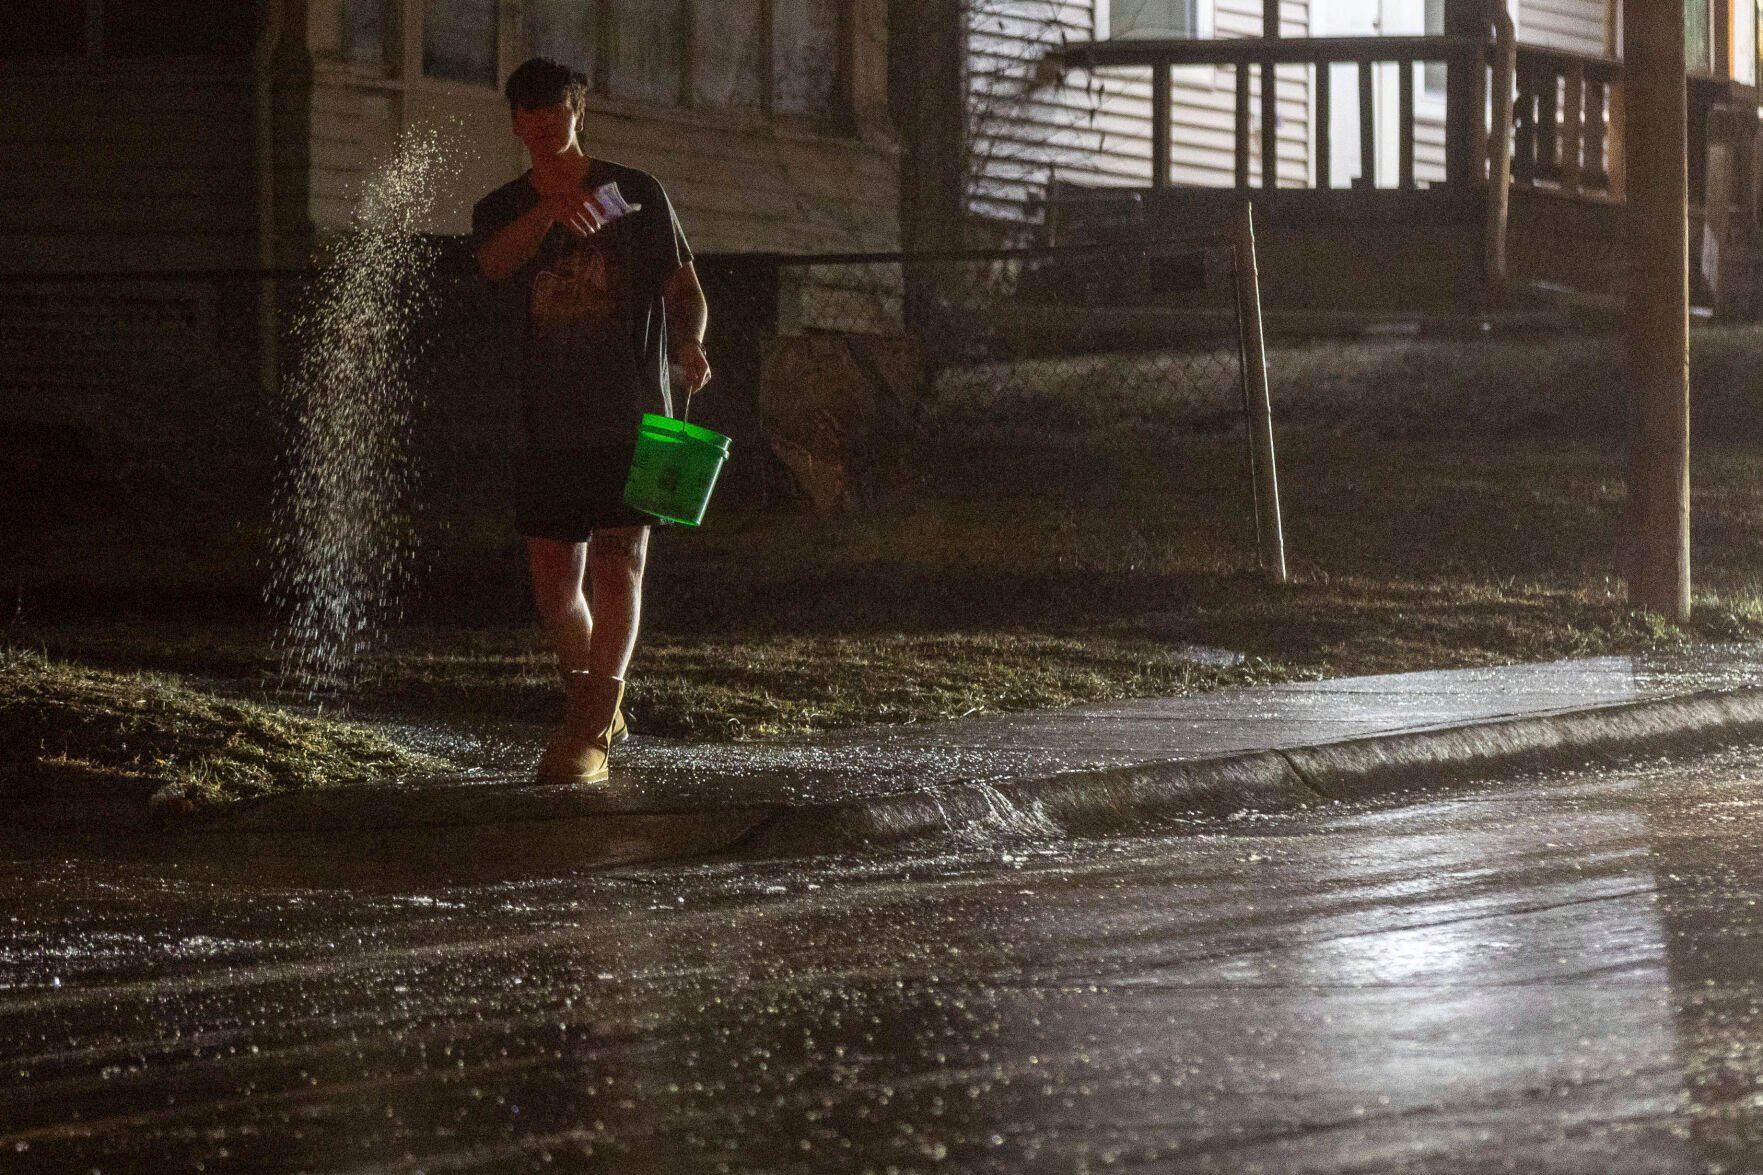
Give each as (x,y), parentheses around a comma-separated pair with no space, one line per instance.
(1464,59)
(1567,123)
(1566,132)
(1562,134)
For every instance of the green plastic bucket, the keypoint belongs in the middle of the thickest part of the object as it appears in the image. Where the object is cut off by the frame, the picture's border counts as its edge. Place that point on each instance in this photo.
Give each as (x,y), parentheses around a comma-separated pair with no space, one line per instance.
(674,469)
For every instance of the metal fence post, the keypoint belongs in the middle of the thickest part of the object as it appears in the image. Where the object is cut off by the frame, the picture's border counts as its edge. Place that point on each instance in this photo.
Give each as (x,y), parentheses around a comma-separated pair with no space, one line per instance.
(1257,407)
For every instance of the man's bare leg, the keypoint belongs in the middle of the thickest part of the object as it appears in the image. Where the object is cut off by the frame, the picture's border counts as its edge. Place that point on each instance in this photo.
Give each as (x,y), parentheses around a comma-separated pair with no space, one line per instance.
(592,656)
(616,558)
(557,570)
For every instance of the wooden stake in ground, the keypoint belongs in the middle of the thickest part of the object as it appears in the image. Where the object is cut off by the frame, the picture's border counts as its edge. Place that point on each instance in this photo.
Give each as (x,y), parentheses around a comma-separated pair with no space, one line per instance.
(1657,310)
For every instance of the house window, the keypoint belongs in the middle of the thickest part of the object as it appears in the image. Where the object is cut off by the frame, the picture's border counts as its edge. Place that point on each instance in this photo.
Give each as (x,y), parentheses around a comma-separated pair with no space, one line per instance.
(1432,75)
(639,50)
(1154,19)
(459,41)
(809,48)
(566,31)
(1698,41)
(732,77)
(648,51)
(364,34)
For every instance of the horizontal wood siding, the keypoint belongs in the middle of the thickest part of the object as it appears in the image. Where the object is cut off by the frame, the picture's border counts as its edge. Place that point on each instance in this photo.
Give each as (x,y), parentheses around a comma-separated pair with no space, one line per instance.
(1095,128)
(738,184)
(1574,25)
(1024,128)
(1429,142)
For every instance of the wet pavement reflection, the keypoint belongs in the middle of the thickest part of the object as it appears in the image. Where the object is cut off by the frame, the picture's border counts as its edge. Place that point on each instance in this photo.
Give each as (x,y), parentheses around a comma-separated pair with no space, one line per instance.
(1560,974)
(664,777)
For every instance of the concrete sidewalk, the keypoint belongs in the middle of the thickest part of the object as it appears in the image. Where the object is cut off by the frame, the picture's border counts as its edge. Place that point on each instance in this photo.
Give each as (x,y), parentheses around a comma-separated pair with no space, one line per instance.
(1092,769)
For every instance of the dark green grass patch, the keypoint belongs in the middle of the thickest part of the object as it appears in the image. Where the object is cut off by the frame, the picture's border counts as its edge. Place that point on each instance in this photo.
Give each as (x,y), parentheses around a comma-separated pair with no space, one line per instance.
(1061,539)
(159,742)
(728,688)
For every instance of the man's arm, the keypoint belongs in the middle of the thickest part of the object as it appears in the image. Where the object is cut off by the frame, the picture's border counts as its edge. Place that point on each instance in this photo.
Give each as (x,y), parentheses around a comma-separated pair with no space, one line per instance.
(688,315)
(513,245)
(516,243)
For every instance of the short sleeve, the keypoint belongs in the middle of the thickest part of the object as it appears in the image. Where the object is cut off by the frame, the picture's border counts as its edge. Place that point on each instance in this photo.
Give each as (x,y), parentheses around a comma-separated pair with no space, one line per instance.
(671,249)
(490,216)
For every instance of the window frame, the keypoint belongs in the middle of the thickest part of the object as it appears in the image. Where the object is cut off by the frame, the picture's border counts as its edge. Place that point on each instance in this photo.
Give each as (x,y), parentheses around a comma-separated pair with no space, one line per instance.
(1204,14)
(841,120)
(421,49)
(389,50)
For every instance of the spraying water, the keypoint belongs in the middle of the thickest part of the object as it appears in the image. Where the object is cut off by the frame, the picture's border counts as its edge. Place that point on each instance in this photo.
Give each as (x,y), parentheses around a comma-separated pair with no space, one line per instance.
(343,542)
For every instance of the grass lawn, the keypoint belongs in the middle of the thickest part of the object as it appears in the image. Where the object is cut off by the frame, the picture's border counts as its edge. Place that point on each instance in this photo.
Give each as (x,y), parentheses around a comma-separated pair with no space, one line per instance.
(156,743)
(1452,504)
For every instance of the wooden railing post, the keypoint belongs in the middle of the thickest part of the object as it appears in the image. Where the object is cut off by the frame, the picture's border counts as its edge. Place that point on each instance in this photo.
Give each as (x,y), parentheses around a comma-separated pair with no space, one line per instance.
(1548,122)
(1161,129)
(1324,122)
(1572,128)
(1242,126)
(1367,130)
(1269,126)
(1594,142)
(1269,99)
(1523,125)
(1405,125)
(1465,97)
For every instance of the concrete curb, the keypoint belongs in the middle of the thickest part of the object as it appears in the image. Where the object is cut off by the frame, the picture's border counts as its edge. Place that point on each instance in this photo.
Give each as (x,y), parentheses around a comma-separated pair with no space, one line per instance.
(578,826)
(1144,796)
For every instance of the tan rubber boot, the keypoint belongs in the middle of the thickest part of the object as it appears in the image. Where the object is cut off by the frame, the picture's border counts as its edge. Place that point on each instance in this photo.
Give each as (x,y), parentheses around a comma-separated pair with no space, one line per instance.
(579,748)
(620,731)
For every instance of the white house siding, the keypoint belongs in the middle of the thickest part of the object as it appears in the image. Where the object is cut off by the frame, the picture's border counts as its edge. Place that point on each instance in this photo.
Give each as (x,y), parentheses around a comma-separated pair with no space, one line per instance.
(1429,142)
(1574,25)
(1024,128)
(737,184)
(1095,129)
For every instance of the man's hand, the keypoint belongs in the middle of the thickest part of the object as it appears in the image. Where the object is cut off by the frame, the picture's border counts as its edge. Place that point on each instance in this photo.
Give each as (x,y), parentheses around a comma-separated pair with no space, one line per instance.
(691,357)
(571,208)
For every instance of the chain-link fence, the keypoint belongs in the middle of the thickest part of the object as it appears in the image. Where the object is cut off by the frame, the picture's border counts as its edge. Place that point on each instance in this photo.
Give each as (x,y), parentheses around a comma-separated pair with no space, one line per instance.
(873,369)
(842,377)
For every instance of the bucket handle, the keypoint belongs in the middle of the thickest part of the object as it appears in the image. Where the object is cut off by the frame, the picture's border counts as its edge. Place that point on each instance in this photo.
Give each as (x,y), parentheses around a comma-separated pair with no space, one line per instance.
(685,411)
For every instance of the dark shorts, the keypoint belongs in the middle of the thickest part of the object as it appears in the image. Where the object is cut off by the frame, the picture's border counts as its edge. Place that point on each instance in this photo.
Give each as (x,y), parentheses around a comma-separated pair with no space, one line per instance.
(567,494)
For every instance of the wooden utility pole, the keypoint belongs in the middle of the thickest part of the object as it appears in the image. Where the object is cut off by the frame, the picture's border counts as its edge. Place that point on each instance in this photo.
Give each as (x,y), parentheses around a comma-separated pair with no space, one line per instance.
(1657,309)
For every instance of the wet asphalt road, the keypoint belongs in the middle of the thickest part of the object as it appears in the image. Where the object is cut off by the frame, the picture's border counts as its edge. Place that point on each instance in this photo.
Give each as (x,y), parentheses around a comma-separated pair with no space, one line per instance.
(1561,974)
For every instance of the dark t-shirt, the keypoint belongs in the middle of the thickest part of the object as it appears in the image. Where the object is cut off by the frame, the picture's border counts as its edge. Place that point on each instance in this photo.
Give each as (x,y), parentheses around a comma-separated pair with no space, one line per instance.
(588,311)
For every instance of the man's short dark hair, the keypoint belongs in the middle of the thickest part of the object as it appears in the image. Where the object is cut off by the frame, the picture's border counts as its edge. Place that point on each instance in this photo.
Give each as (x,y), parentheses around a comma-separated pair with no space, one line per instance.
(543,82)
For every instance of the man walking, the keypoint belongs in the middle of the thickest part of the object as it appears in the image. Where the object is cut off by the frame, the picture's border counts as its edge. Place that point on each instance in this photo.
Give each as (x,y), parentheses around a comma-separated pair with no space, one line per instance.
(598,278)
